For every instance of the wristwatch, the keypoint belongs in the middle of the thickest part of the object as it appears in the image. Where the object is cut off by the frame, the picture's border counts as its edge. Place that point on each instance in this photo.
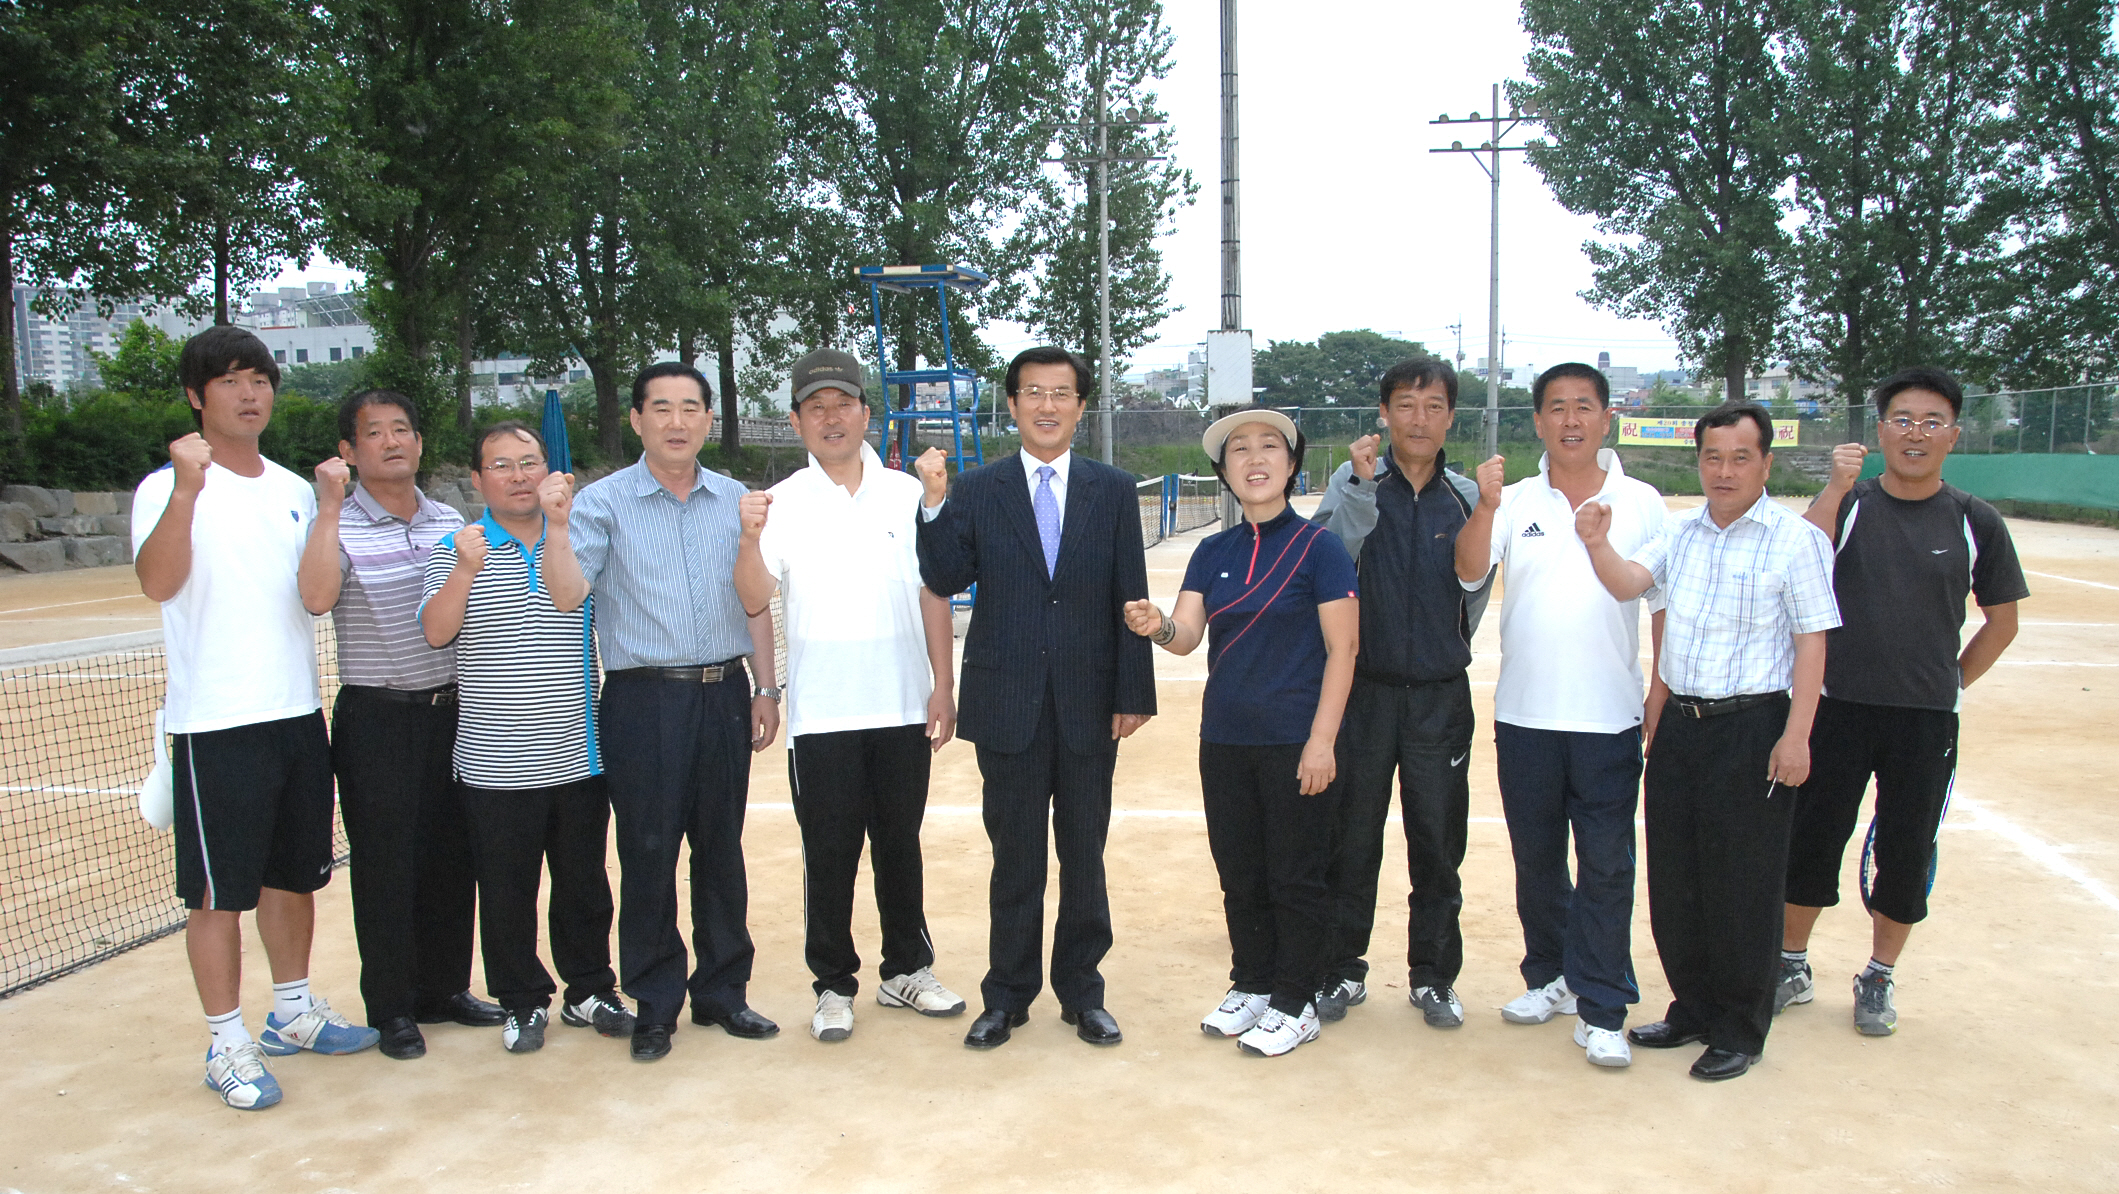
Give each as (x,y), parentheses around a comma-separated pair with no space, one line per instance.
(774,693)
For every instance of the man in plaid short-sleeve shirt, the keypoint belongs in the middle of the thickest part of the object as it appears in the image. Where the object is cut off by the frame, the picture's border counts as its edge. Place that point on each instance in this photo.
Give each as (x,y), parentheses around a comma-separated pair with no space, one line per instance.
(1748,592)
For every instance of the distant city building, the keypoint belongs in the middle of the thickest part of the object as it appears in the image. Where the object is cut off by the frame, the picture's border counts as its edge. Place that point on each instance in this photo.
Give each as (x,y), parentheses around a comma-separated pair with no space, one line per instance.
(56,351)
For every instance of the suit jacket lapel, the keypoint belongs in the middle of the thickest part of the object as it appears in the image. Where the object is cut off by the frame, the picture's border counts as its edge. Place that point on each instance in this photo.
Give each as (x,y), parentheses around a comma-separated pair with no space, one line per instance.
(1015,503)
(1076,521)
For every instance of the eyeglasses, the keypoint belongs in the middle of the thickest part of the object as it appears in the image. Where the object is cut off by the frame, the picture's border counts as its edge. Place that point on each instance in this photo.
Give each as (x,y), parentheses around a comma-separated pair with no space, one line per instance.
(1904,425)
(501,468)
(1038,393)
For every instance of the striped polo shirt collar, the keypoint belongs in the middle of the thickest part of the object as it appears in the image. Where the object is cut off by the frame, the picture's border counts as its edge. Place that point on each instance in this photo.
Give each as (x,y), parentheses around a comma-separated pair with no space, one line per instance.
(644,483)
(429,509)
(497,534)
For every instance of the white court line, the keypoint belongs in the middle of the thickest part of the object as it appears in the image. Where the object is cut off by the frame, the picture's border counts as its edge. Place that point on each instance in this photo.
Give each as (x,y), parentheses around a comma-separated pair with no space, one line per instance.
(2050,663)
(2037,849)
(2073,580)
(30,609)
(1984,819)
(16,790)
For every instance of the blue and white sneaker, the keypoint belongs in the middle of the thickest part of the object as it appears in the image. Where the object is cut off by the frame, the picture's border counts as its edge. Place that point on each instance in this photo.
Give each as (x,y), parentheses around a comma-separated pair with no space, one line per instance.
(239,1076)
(319,1030)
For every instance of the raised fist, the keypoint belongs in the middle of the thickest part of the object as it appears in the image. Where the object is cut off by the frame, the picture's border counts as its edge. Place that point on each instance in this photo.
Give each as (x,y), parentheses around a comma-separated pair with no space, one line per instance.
(1143,618)
(1363,451)
(1492,475)
(192,456)
(1592,522)
(751,509)
(933,470)
(331,478)
(1846,465)
(555,494)
(471,548)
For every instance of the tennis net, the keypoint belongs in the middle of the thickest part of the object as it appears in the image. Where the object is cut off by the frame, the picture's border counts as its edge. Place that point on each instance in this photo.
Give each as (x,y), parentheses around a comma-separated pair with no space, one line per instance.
(82,877)
(1154,513)
(1194,502)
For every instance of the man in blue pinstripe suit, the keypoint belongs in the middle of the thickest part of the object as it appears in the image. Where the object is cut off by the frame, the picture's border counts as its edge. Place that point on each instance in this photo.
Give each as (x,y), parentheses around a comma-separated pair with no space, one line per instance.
(1051,680)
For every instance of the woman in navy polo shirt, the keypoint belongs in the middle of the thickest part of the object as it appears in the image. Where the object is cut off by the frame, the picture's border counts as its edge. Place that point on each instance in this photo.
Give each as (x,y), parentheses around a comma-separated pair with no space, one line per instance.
(1275,598)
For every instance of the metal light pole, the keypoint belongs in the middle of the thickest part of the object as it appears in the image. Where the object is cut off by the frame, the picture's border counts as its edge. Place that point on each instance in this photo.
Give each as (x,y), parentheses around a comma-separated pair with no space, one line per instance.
(1103,269)
(1103,161)
(1231,237)
(1493,149)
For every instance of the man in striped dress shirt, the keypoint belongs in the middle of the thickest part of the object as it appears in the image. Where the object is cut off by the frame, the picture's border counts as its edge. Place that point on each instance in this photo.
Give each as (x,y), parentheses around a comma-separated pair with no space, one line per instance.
(507,591)
(681,718)
(393,728)
(1748,592)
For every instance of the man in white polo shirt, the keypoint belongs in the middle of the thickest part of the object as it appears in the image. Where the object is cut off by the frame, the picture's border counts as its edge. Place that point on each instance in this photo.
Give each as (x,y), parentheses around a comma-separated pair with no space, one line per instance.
(1570,720)
(870,687)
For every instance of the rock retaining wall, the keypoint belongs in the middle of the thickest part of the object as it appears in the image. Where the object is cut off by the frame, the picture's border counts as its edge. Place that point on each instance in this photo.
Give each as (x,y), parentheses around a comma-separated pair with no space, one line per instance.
(45,530)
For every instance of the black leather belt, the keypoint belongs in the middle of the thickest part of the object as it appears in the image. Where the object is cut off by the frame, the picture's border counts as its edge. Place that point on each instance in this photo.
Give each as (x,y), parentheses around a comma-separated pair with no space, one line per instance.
(1698,707)
(713,673)
(445,695)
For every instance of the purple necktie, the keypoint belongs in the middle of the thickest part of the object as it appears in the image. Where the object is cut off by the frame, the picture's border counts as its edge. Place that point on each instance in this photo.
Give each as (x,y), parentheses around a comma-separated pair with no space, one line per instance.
(1046,507)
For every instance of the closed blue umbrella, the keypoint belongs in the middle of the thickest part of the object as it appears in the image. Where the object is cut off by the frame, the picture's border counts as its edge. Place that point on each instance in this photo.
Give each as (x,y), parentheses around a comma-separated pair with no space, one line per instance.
(557,456)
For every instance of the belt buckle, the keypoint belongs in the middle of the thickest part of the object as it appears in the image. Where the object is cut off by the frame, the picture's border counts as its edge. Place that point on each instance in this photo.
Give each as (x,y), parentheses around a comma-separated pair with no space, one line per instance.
(710,674)
(1696,710)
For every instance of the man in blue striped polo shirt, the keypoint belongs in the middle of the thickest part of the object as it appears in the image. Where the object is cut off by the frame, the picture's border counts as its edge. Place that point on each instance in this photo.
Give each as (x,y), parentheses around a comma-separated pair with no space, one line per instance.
(507,591)
(393,728)
(657,543)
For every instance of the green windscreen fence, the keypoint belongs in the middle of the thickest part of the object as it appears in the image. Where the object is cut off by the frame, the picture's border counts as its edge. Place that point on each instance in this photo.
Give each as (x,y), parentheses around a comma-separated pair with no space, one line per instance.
(2065,479)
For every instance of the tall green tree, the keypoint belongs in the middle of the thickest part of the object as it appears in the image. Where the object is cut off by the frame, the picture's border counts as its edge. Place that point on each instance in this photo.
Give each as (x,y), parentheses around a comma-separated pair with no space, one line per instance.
(1663,122)
(2050,312)
(944,108)
(1119,50)
(1340,369)
(731,92)
(1896,112)
(456,117)
(68,160)
(229,107)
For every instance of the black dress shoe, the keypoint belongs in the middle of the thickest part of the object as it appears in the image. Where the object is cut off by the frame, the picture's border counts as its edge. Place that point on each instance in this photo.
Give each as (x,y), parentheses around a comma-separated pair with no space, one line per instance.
(463,1008)
(992,1027)
(1094,1025)
(1660,1035)
(651,1042)
(402,1039)
(1718,1065)
(742,1022)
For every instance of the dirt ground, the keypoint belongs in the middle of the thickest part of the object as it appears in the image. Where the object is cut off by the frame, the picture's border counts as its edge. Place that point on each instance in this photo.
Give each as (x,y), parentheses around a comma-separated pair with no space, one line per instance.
(2004,1074)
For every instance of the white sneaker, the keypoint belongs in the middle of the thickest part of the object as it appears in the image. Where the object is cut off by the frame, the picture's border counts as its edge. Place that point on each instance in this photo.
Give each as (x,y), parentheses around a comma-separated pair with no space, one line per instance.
(921,992)
(1276,1033)
(1540,1004)
(1237,1013)
(834,1018)
(1606,1047)
(239,1076)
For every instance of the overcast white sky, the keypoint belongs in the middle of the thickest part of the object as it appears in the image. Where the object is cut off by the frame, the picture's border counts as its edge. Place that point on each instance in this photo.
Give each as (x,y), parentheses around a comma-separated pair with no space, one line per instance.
(1348,220)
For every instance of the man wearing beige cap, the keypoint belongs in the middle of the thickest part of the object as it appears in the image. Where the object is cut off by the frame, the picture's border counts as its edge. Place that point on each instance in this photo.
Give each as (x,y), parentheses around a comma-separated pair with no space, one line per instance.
(870,687)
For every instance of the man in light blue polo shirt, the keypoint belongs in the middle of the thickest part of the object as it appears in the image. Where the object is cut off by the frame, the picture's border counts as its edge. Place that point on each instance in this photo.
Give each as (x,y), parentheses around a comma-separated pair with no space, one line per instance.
(657,544)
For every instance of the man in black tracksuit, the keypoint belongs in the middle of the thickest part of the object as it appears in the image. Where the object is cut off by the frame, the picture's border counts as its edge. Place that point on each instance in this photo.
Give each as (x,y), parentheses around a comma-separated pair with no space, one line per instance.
(1410,712)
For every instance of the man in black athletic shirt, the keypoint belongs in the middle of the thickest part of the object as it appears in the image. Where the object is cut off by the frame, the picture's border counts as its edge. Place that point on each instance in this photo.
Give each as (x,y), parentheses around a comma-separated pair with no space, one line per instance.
(1909,550)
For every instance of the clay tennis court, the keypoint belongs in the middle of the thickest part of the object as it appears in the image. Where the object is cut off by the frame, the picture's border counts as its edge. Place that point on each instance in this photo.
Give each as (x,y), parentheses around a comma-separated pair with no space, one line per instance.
(2004,1073)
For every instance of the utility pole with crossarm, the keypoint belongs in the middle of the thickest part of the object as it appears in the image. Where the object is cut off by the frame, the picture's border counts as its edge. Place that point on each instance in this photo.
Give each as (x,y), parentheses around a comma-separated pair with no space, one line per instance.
(1494,149)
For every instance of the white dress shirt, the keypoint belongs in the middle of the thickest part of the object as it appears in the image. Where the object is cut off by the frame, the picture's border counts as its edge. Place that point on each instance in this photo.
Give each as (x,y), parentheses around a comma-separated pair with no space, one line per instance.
(1030,466)
(1735,596)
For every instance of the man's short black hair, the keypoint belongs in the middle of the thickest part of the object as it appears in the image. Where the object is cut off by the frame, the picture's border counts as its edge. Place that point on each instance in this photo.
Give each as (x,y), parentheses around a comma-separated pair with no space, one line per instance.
(350,408)
(1049,355)
(671,369)
(1920,377)
(1588,373)
(217,352)
(1729,414)
(1296,453)
(505,427)
(1417,373)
